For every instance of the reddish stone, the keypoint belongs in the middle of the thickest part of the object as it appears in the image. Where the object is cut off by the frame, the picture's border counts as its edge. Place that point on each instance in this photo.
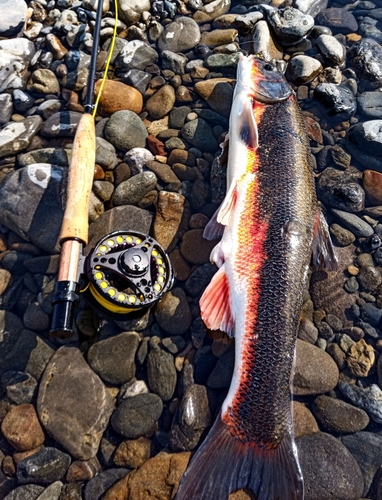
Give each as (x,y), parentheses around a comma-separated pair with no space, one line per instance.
(117,96)
(156,146)
(22,428)
(313,129)
(372,184)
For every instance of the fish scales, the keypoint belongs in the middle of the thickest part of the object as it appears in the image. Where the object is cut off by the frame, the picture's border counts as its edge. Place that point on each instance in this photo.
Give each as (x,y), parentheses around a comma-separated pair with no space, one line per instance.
(260,409)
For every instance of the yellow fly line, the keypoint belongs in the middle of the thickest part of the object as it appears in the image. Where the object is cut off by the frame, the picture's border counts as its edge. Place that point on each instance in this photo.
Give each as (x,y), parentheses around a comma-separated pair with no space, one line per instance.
(111,49)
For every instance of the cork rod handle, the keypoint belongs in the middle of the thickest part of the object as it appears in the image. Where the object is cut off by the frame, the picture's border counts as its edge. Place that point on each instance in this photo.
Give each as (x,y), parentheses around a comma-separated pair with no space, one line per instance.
(81,171)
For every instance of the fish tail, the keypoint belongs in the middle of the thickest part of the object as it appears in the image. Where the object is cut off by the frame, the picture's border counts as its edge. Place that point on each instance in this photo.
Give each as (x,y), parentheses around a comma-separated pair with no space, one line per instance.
(224,464)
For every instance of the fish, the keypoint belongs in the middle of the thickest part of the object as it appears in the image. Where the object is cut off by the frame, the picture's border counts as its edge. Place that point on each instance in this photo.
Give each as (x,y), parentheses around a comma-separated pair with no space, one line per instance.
(271,227)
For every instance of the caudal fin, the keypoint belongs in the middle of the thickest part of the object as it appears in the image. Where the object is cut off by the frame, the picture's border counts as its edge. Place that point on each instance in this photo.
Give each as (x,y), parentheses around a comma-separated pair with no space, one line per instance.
(223,465)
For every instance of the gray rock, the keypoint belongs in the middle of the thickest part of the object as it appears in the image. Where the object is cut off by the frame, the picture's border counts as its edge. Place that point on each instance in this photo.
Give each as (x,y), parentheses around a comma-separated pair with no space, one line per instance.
(339,20)
(368,398)
(22,101)
(35,318)
(365,142)
(210,11)
(315,371)
(134,189)
(307,331)
(328,469)
(54,156)
(311,7)
(161,371)
(61,124)
(303,69)
(43,81)
(13,17)
(136,55)
(15,56)
(221,62)
(29,204)
(20,387)
(365,57)
(6,108)
(52,492)
(105,154)
(290,24)
(71,491)
(173,312)
(27,492)
(137,79)
(137,158)
(125,130)
(370,104)
(341,237)
(181,35)
(178,116)
(124,218)
(73,404)
(354,223)
(137,416)
(199,134)
(199,279)
(103,190)
(367,450)
(338,100)
(174,62)
(113,359)
(43,467)
(192,418)
(337,416)
(331,49)
(17,136)
(338,189)
(98,485)
(131,11)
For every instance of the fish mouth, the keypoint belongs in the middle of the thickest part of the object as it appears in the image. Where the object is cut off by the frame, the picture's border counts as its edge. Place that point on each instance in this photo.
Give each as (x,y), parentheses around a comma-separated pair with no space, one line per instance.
(269,85)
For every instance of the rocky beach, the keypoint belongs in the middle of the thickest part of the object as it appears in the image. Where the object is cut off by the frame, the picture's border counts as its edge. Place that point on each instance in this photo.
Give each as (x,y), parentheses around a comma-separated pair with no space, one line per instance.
(115,411)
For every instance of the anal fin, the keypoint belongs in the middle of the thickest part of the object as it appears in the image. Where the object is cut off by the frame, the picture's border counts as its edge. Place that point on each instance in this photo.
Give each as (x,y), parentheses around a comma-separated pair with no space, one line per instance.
(323,253)
(215,304)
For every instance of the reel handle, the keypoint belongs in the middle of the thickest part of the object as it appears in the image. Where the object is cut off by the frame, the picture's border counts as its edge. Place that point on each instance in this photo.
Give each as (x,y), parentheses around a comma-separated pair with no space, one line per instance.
(81,172)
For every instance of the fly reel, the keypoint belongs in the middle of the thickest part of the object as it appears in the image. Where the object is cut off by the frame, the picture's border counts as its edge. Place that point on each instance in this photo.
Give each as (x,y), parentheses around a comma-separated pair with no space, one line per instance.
(126,272)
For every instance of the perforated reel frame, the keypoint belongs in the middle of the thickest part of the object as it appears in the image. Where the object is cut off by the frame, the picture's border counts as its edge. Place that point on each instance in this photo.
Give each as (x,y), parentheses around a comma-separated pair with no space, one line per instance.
(127,271)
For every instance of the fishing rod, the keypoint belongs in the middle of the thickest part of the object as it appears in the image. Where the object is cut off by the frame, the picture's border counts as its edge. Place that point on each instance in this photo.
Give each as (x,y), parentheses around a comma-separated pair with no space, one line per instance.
(126,271)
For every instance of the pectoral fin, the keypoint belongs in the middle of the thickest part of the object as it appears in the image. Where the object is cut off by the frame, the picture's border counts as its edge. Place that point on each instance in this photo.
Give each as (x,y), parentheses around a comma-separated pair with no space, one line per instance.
(228,206)
(323,253)
(248,128)
(215,304)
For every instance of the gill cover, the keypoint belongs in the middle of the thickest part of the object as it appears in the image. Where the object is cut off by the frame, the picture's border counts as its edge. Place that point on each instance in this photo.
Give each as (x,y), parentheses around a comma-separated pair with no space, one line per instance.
(269,85)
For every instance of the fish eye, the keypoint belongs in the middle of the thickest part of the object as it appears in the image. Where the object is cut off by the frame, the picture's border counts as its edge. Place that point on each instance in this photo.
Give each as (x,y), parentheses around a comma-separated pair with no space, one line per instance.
(269,67)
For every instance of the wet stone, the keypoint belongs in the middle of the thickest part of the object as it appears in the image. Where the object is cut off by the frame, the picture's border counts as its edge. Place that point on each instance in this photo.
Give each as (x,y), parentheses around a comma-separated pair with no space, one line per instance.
(337,416)
(338,190)
(26,492)
(192,418)
(113,359)
(161,371)
(339,101)
(365,58)
(338,20)
(133,453)
(96,487)
(22,429)
(366,449)
(131,191)
(370,105)
(20,387)
(329,470)
(173,312)
(73,404)
(290,24)
(137,416)
(125,130)
(44,467)
(368,398)
(311,377)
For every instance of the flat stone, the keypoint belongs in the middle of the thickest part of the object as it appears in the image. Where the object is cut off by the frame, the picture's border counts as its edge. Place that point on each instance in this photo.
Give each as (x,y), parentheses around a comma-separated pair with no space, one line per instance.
(354,223)
(44,467)
(20,387)
(337,416)
(161,371)
(136,54)
(173,37)
(117,96)
(368,398)
(366,449)
(61,124)
(113,359)
(96,487)
(161,103)
(52,492)
(169,212)
(339,20)
(315,371)
(73,404)
(26,492)
(17,136)
(22,429)
(173,312)
(211,11)
(328,469)
(131,191)
(125,130)
(218,93)
(370,105)
(137,416)
(54,156)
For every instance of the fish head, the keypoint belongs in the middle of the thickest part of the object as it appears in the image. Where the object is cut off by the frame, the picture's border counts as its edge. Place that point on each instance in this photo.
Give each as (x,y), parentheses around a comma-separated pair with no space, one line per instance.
(265,82)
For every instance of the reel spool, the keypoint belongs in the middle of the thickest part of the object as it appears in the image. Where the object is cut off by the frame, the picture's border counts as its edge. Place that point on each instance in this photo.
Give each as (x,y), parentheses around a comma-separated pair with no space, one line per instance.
(126,272)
